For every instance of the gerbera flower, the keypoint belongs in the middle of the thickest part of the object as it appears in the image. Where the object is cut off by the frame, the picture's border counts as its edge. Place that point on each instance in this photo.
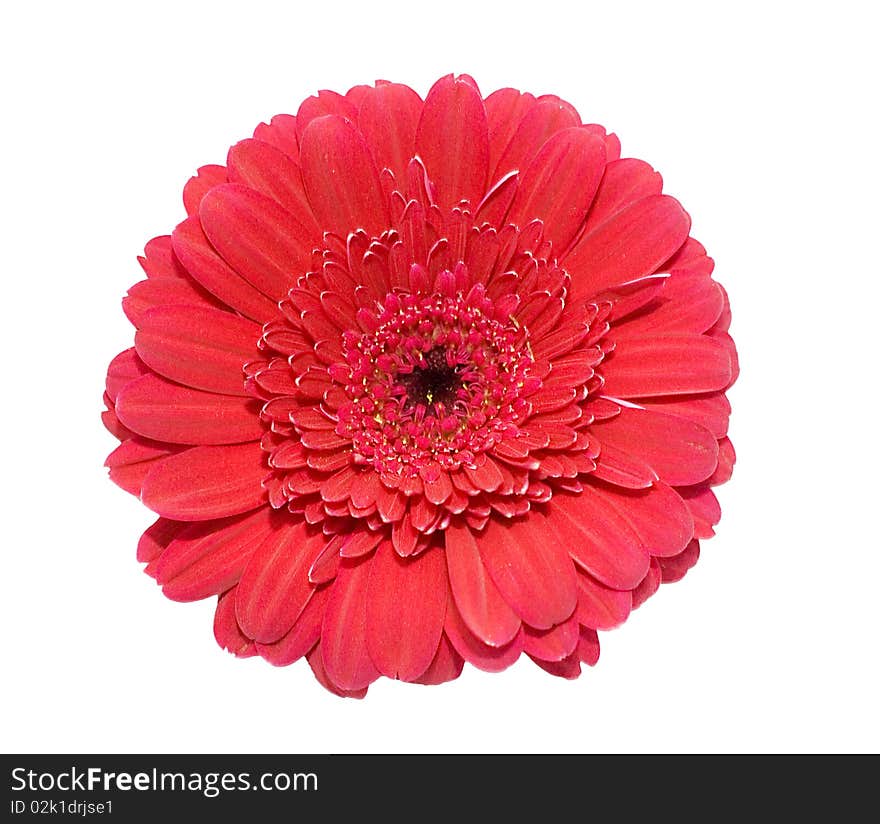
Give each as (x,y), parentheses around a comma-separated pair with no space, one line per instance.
(424,382)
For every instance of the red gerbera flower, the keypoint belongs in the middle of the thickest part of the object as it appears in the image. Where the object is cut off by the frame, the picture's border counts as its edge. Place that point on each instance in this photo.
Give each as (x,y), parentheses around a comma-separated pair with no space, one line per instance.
(424,382)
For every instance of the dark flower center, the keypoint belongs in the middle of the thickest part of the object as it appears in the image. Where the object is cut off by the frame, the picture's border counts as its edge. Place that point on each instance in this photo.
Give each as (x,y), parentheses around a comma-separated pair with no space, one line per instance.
(433,383)
(438,379)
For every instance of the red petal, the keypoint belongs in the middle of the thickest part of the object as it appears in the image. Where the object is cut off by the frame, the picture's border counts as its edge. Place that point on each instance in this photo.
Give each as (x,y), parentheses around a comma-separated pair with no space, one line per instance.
(659,515)
(711,411)
(316,662)
(453,140)
(666,365)
(226,630)
(344,631)
(588,647)
(600,607)
(622,469)
(123,369)
(132,461)
(388,117)
(679,451)
(200,347)
(649,585)
(630,245)
(275,586)
(472,649)
(208,558)
(548,116)
(704,507)
(208,268)
(274,174)
(159,260)
(406,605)
(153,292)
(533,572)
(156,539)
(446,666)
(726,460)
(552,644)
(479,602)
(207,482)
(302,636)
(262,241)
(325,103)
(599,538)
(569,668)
(674,569)
(625,181)
(505,109)
(340,178)
(112,424)
(197,187)
(280,132)
(559,185)
(165,411)
(686,305)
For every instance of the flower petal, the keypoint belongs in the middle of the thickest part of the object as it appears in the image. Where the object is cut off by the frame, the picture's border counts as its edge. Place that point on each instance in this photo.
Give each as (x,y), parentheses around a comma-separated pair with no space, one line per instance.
(481,605)
(545,118)
(207,482)
(279,132)
(133,460)
(197,187)
(316,662)
(156,539)
(704,507)
(711,411)
(674,569)
(227,632)
(152,292)
(340,178)
(275,586)
(600,607)
(559,184)
(649,585)
(659,515)
(346,661)
(259,239)
(388,117)
(629,246)
(472,649)
(302,636)
(687,304)
(666,365)
(446,666)
(505,109)
(211,271)
(273,173)
(165,411)
(453,140)
(679,451)
(599,538)
(159,260)
(624,182)
(406,605)
(552,644)
(208,558)
(533,573)
(123,369)
(200,347)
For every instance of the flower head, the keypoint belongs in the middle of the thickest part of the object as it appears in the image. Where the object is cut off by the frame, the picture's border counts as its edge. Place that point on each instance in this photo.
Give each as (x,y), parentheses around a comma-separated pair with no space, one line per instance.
(420,383)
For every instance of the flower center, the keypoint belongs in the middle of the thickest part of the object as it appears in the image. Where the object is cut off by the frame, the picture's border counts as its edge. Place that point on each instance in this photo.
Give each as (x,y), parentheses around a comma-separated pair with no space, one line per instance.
(437,380)
(433,383)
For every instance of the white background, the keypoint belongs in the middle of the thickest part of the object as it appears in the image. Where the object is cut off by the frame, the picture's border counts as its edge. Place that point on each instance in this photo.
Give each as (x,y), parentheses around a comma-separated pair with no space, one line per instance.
(762,119)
